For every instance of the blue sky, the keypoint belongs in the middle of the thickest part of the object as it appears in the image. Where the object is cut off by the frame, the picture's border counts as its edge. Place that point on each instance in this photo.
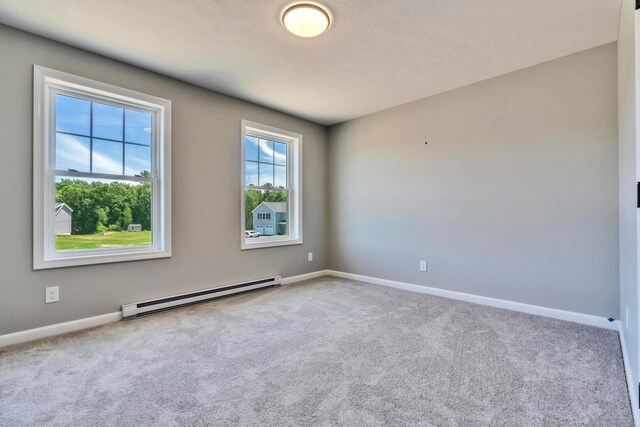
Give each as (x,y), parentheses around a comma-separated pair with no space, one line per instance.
(108,139)
(265,162)
(74,116)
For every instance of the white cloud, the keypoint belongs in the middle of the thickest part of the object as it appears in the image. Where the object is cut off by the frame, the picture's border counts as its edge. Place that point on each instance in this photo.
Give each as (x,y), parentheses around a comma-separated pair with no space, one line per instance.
(279,158)
(73,153)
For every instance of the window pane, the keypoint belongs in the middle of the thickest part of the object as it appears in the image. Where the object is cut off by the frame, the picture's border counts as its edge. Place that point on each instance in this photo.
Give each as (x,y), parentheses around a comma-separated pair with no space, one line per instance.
(266,151)
(137,127)
(251,148)
(137,160)
(280,153)
(280,177)
(107,121)
(73,115)
(250,173)
(265,213)
(72,152)
(107,157)
(266,174)
(92,214)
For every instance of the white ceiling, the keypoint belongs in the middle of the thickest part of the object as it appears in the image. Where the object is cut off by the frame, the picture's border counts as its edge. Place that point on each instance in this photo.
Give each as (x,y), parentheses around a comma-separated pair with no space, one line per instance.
(378,53)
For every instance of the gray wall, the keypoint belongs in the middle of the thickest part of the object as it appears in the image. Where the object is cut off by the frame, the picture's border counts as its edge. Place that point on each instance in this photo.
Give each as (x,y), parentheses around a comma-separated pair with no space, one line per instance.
(515,196)
(206,194)
(627,118)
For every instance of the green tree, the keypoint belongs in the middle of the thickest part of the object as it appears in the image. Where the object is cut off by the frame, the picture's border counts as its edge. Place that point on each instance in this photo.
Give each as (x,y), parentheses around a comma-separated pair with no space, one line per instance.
(102,220)
(141,205)
(99,206)
(127,217)
(252,198)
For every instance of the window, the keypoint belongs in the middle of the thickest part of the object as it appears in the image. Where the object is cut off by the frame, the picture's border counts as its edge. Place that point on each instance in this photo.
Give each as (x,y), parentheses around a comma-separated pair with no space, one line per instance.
(101,172)
(271,186)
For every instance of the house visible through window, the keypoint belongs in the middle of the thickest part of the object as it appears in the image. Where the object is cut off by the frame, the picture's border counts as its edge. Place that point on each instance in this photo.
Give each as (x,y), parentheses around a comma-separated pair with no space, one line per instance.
(100,154)
(99,149)
(271,186)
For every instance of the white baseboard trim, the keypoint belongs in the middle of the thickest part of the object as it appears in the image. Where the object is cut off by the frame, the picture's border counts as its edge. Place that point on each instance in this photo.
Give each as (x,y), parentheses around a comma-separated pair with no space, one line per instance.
(631,383)
(89,322)
(58,328)
(75,325)
(570,316)
(307,276)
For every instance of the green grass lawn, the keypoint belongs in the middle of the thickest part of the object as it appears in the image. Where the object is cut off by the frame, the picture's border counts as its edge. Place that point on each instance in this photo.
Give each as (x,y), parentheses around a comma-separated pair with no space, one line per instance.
(110,239)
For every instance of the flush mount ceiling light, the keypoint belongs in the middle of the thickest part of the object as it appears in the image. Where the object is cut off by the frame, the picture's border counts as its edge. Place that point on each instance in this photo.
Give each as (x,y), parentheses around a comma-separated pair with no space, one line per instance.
(306,19)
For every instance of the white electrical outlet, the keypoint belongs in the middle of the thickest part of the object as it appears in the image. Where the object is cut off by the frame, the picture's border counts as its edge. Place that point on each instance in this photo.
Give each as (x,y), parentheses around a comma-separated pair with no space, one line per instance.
(310,257)
(423,265)
(51,294)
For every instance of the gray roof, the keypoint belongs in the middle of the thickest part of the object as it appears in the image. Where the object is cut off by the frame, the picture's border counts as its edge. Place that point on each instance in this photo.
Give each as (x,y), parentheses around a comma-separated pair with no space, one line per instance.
(277,207)
(59,207)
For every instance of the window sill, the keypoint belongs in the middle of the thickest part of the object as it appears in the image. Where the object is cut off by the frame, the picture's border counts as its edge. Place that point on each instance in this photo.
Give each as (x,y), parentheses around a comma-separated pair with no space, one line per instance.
(98,258)
(259,243)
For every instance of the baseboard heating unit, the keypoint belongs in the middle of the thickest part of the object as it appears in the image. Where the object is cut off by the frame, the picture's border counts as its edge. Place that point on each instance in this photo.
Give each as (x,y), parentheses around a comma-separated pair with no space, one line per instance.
(144,308)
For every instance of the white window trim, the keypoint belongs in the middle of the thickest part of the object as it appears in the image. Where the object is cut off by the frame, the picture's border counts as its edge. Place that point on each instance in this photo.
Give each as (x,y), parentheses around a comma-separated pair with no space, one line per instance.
(46,82)
(294,200)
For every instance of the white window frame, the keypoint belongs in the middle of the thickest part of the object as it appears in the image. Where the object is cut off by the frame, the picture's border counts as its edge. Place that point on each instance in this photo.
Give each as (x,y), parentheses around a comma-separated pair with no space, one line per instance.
(46,84)
(294,176)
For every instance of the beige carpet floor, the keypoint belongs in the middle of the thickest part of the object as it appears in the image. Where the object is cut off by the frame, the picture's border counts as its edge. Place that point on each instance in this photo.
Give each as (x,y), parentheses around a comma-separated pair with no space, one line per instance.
(321,352)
